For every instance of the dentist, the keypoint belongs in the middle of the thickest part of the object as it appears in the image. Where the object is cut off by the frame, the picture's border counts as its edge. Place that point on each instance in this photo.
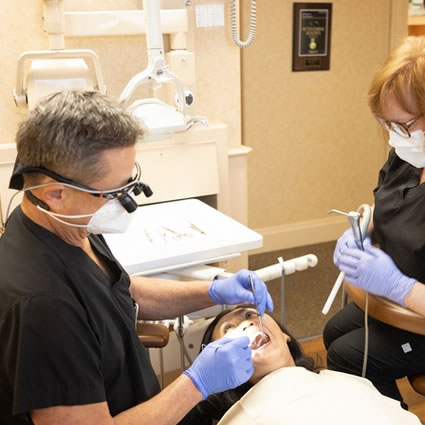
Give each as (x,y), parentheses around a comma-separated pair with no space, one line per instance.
(69,350)
(395,270)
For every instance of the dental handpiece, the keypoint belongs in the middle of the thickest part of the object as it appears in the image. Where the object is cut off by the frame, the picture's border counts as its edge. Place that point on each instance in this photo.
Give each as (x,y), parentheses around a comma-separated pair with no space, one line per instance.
(260,319)
(354,220)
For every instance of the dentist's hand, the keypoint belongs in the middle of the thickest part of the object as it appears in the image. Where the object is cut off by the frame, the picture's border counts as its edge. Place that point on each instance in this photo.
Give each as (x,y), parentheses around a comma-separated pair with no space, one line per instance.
(222,365)
(237,289)
(372,270)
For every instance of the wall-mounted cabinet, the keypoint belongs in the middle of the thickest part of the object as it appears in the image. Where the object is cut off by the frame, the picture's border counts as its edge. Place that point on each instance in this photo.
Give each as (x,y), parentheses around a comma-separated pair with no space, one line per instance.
(416,25)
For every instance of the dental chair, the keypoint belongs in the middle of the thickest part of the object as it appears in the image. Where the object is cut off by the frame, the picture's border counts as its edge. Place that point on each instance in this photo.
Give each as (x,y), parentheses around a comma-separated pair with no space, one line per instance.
(153,335)
(388,312)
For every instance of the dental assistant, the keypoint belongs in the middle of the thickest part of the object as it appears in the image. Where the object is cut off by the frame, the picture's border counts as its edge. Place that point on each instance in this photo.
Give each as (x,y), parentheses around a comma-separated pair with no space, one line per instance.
(69,349)
(395,270)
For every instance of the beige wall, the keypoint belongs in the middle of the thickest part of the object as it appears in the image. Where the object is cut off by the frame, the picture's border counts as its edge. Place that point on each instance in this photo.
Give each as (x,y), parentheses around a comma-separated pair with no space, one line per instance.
(315,144)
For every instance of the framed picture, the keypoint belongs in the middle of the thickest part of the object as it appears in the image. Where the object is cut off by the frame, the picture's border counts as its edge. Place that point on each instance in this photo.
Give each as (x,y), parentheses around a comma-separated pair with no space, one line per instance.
(311,36)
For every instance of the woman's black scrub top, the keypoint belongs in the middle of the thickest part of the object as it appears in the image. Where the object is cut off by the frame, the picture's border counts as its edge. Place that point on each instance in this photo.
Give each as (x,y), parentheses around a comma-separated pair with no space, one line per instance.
(399,216)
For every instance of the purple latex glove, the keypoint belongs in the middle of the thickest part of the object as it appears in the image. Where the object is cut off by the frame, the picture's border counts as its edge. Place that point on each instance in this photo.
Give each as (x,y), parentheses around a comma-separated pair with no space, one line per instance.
(345,241)
(372,270)
(237,289)
(222,365)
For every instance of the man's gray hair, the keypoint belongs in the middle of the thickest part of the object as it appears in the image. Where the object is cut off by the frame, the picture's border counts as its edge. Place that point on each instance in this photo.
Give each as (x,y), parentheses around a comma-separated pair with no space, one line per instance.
(68,131)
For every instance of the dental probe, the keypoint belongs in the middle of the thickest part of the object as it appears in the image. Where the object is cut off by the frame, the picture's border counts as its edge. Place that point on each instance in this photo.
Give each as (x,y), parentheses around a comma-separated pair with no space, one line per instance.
(260,319)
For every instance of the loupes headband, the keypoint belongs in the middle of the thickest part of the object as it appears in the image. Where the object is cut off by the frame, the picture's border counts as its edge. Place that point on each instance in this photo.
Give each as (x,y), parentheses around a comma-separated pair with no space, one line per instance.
(134,185)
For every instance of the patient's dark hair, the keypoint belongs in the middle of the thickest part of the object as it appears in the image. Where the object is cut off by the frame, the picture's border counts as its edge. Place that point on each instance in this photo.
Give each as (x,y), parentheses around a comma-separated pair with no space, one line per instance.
(216,405)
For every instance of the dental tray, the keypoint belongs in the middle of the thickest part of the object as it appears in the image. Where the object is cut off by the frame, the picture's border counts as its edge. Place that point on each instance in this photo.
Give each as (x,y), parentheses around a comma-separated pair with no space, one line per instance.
(178,234)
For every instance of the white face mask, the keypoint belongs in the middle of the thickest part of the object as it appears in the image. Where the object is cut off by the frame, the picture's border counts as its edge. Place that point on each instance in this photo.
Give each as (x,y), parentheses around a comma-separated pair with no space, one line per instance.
(110,218)
(411,149)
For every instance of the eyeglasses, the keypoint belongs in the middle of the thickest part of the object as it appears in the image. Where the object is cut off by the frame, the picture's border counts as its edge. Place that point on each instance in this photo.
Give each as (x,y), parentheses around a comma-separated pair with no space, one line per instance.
(123,194)
(401,128)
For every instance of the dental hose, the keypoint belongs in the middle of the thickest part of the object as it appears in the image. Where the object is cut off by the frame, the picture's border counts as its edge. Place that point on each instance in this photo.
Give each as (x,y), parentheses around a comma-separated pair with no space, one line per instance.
(359,229)
(252,24)
(365,210)
(366,336)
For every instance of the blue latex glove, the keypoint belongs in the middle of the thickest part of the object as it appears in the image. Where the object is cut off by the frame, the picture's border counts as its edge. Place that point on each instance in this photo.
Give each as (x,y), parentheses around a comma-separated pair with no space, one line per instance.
(222,365)
(237,289)
(372,270)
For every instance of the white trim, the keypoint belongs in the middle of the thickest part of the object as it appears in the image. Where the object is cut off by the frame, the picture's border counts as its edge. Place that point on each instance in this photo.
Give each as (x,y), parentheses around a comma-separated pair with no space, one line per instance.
(121,22)
(303,233)
(7,160)
(7,153)
(239,151)
(398,22)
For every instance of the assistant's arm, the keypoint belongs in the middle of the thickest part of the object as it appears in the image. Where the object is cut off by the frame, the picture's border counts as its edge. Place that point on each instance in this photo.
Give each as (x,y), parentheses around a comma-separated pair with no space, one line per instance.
(415,299)
(374,271)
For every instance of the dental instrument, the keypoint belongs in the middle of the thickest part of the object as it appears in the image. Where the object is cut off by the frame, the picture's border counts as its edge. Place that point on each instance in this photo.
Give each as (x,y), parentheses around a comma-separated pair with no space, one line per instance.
(260,319)
(359,232)
(354,220)
(275,271)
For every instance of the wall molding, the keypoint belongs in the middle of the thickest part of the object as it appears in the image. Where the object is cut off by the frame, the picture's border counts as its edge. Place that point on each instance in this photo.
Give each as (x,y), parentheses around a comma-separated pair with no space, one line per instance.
(276,238)
(398,22)
(7,153)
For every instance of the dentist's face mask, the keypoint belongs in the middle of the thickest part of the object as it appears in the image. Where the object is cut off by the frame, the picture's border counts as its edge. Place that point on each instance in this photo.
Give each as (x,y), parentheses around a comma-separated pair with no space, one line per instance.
(109,218)
(410,149)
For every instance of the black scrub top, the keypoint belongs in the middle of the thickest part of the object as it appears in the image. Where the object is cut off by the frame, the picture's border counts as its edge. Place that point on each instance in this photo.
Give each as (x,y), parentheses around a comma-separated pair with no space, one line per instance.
(67,332)
(399,216)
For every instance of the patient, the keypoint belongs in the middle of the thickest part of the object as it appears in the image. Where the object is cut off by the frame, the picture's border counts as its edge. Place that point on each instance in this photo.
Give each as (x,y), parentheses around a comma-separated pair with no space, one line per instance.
(287,388)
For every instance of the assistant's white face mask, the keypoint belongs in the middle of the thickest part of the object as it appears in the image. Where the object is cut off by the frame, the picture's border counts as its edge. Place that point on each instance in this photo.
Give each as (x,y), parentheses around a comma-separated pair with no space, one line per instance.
(410,149)
(111,217)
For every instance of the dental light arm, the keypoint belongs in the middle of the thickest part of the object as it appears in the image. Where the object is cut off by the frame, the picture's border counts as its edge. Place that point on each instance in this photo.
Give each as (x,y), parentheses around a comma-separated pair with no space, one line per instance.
(159,118)
(157,69)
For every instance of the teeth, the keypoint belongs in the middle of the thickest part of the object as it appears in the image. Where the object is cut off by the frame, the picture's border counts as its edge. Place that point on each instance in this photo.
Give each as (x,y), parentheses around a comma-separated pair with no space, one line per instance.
(259,340)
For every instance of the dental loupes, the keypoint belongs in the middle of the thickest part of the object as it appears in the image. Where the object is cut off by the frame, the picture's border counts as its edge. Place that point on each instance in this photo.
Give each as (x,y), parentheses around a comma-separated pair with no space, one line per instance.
(260,319)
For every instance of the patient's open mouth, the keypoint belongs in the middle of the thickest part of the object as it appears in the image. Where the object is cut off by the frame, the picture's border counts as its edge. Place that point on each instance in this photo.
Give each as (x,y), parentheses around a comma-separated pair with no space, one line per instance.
(259,340)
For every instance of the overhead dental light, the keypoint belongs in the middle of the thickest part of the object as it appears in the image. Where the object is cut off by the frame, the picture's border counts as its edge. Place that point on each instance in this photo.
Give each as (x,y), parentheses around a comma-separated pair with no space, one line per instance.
(58,68)
(159,118)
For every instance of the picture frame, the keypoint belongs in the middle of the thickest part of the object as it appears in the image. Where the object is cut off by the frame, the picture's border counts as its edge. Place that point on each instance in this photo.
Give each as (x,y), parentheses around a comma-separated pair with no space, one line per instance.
(311,36)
